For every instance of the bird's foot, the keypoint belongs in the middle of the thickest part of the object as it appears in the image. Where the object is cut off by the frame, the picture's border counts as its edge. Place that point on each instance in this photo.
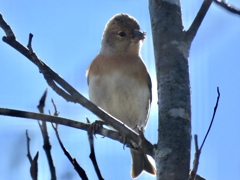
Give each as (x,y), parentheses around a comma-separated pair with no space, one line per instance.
(95,126)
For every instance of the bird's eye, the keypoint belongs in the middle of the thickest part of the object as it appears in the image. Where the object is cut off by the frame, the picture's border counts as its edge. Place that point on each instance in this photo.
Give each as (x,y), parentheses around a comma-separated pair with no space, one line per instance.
(122,34)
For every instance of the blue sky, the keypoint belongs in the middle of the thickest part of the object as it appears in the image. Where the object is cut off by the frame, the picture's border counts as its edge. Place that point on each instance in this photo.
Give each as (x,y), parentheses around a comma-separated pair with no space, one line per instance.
(67,36)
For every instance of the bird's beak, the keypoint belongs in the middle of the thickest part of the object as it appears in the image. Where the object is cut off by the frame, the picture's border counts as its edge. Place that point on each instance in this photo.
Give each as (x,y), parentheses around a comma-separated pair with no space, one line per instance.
(138,35)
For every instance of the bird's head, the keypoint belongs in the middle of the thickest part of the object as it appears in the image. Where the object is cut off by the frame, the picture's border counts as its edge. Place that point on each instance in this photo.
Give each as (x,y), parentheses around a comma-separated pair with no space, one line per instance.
(122,35)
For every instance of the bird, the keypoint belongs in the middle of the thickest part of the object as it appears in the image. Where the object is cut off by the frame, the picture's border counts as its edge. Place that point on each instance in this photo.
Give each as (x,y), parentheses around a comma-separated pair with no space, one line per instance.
(119,81)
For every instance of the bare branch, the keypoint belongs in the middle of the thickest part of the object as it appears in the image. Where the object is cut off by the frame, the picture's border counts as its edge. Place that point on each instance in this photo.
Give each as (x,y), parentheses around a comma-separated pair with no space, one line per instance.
(73,161)
(228,6)
(34,167)
(56,113)
(193,173)
(7,29)
(47,148)
(213,116)
(68,92)
(92,154)
(45,117)
(147,147)
(28,147)
(46,143)
(34,161)
(192,31)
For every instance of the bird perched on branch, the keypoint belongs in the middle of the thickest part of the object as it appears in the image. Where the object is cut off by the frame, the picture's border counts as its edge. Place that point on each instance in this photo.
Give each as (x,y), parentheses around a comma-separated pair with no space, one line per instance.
(119,81)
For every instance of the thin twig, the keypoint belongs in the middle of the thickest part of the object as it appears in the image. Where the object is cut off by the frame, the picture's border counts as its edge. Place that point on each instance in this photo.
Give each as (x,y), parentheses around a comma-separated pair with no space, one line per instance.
(228,6)
(34,161)
(214,112)
(73,161)
(28,147)
(193,173)
(56,113)
(92,153)
(46,143)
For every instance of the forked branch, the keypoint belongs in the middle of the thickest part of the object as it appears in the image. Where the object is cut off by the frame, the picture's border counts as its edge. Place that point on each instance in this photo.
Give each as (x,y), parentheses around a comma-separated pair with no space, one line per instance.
(192,31)
(193,173)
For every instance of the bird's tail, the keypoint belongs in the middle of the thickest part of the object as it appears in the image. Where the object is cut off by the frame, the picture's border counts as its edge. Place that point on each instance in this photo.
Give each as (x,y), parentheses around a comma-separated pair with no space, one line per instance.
(141,163)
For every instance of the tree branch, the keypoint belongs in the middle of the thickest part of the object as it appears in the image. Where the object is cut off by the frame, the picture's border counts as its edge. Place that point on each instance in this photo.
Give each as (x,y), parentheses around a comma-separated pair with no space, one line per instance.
(213,116)
(7,29)
(56,113)
(147,147)
(28,147)
(46,142)
(92,152)
(228,6)
(34,161)
(34,167)
(73,161)
(192,31)
(67,91)
(193,173)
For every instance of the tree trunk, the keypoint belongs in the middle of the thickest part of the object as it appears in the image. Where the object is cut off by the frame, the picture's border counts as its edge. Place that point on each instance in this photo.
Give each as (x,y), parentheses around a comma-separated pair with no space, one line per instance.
(171,56)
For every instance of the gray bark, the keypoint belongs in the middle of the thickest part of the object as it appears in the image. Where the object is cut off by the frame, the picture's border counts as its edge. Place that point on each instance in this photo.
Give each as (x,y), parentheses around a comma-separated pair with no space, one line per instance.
(171,51)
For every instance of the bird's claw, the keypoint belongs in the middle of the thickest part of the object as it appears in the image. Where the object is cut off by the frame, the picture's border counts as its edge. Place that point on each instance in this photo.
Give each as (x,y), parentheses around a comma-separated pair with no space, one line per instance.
(95,126)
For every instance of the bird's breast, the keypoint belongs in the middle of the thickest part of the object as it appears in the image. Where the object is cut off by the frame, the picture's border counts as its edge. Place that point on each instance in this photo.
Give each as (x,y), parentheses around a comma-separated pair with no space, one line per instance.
(122,95)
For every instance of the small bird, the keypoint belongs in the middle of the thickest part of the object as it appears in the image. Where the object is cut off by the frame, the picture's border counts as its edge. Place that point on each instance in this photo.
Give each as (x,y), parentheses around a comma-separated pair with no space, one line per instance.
(119,81)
